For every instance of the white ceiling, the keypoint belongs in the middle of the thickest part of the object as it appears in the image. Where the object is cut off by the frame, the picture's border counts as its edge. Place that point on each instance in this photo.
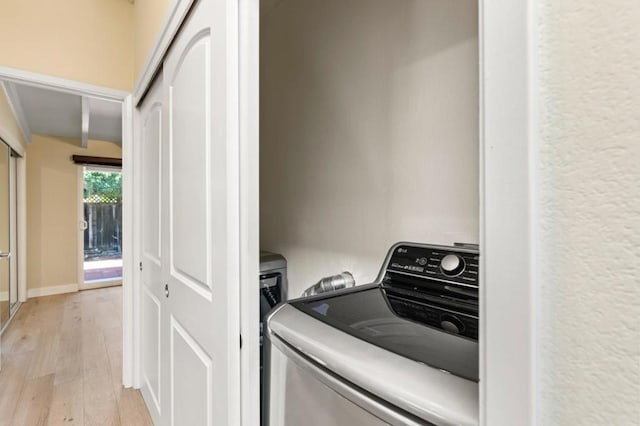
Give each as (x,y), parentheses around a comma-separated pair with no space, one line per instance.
(53,113)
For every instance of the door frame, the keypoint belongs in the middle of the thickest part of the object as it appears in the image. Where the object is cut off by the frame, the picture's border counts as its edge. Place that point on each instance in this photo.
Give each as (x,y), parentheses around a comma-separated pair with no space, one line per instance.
(21,175)
(13,237)
(82,285)
(10,76)
(508,369)
(509,375)
(14,214)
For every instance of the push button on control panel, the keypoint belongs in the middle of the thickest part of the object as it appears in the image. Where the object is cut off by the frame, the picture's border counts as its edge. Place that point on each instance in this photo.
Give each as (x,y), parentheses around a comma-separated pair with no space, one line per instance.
(452,265)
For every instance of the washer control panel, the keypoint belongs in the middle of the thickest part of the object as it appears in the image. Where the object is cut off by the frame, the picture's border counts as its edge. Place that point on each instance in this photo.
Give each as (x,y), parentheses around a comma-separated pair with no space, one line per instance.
(458,265)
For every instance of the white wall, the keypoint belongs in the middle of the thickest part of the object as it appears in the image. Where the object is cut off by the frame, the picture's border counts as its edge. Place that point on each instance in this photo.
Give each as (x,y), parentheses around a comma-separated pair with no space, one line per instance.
(369,130)
(589,211)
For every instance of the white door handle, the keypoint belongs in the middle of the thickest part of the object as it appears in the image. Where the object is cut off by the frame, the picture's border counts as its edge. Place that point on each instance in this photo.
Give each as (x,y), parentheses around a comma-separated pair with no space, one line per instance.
(83,225)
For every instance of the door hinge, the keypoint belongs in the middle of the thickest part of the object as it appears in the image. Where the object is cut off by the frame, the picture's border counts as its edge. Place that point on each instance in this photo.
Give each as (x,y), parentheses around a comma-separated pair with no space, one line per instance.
(140,266)
(241,341)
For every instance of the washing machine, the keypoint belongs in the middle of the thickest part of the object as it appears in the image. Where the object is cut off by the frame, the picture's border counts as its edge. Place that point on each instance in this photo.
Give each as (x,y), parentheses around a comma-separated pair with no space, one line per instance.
(273,282)
(273,290)
(401,351)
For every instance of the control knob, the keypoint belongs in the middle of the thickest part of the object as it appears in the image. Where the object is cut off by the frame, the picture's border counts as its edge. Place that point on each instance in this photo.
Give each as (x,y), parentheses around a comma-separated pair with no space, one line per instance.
(452,265)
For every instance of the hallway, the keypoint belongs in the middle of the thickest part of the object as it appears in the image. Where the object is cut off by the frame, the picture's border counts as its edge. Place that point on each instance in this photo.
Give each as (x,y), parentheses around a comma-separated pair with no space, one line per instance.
(61,363)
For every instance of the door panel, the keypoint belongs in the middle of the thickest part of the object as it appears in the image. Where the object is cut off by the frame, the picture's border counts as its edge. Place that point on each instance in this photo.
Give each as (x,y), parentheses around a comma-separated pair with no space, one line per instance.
(190,225)
(153,318)
(151,355)
(190,168)
(200,89)
(191,379)
(13,234)
(5,240)
(151,194)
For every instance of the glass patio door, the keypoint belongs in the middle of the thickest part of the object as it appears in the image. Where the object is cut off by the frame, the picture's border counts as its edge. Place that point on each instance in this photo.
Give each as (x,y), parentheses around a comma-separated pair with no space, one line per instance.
(102,213)
(8,278)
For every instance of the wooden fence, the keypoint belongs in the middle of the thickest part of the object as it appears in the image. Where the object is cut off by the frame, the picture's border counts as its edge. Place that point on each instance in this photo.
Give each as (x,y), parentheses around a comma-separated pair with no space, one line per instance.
(103,236)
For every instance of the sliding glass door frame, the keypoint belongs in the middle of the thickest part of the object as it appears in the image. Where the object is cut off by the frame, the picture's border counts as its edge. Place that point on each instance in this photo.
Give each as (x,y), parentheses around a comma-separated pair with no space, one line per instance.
(10,255)
(14,288)
(82,226)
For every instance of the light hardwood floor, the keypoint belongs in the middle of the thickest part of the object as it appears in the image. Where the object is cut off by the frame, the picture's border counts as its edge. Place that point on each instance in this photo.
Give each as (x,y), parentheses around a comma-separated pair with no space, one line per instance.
(62,363)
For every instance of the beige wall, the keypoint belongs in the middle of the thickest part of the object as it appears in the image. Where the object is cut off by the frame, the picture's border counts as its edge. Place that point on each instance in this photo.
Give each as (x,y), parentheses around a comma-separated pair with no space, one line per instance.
(589,208)
(102,42)
(83,40)
(52,199)
(368,131)
(148,17)
(9,128)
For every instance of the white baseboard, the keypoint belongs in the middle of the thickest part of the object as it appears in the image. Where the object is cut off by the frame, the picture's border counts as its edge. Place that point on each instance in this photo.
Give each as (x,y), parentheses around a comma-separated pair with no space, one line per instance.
(50,291)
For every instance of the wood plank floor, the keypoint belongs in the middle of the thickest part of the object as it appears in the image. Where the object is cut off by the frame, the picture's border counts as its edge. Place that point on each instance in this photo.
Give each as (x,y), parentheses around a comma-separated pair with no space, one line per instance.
(62,363)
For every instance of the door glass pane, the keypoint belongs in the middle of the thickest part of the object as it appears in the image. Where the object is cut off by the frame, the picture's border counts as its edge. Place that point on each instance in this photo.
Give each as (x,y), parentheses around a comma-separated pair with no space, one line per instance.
(5,243)
(13,234)
(103,232)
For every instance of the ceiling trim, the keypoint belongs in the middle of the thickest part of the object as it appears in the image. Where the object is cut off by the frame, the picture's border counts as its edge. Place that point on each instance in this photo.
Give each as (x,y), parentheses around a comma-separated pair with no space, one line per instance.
(16,106)
(85,121)
(43,81)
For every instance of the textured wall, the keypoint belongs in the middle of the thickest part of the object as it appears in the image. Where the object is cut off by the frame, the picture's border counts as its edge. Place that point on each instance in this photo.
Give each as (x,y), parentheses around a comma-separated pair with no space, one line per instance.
(589,174)
(368,130)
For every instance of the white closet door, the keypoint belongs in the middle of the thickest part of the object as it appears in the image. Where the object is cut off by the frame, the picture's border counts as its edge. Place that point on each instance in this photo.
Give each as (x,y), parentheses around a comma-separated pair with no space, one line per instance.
(202,209)
(154,313)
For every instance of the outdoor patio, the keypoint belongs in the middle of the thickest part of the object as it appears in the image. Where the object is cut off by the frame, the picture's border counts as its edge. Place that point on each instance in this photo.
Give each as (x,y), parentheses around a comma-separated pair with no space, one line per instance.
(102,270)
